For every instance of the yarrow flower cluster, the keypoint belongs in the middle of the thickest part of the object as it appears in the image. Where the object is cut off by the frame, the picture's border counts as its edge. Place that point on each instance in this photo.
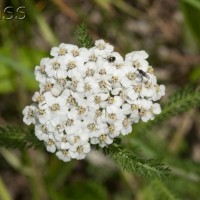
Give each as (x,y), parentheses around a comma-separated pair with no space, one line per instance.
(90,96)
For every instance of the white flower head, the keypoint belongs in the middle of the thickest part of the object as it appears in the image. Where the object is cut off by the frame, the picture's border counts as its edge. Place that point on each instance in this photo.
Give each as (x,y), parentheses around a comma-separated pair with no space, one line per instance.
(90,96)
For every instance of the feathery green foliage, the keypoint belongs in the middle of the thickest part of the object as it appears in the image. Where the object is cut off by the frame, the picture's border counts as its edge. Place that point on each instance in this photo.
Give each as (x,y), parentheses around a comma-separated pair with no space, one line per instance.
(129,162)
(82,36)
(18,137)
(183,100)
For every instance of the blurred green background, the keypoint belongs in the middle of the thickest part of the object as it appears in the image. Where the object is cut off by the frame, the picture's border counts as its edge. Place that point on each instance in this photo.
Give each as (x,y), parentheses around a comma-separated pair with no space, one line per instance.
(168,30)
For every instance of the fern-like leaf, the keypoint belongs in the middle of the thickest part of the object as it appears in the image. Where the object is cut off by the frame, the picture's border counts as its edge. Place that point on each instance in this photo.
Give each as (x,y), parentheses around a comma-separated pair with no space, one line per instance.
(180,102)
(82,36)
(127,161)
(18,137)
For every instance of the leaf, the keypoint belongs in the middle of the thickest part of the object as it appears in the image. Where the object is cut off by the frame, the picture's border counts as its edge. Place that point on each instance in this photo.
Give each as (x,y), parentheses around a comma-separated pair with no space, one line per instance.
(129,162)
(191,12)
(18,137)
(82,36)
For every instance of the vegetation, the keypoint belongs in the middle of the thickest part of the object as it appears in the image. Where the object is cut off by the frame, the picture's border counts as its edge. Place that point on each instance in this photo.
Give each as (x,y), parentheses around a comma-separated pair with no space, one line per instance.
(160,159)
